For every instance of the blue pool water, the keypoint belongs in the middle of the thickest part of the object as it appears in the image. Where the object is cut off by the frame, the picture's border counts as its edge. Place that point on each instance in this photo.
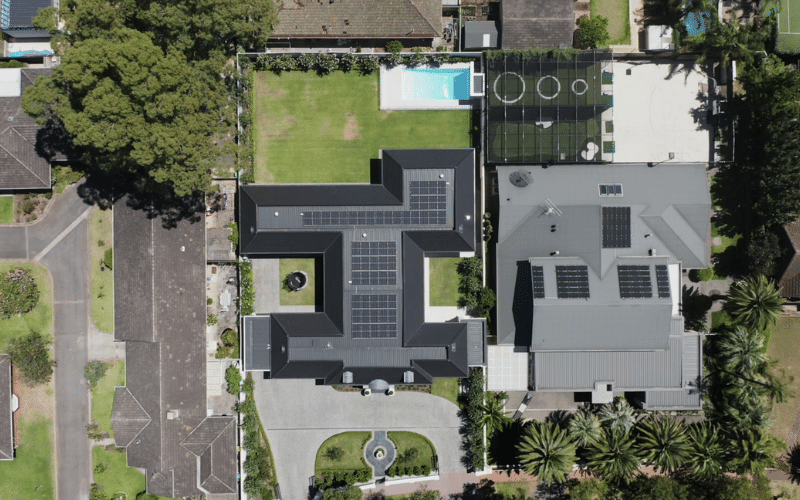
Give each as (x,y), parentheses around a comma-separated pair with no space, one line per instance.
(696,22)
(436,84)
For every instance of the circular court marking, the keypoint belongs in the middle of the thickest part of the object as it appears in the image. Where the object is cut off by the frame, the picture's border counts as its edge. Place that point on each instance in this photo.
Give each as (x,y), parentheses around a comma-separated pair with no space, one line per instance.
(539,87)
(585,86)
(508,101)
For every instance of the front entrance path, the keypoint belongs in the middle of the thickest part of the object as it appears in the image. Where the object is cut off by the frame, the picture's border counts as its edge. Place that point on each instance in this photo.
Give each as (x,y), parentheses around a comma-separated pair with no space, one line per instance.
(379,465)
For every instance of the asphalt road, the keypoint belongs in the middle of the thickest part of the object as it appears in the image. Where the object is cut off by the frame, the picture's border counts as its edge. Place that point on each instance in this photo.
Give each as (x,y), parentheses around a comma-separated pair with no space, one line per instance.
(59,241)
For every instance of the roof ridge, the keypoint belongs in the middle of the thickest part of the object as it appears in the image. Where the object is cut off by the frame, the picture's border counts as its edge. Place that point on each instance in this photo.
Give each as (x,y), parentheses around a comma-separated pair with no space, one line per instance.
(424,17)
(26,167)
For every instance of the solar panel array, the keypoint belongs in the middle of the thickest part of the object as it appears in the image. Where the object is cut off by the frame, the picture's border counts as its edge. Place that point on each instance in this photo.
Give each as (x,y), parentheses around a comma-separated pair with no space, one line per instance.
(634,282)
(616,227)
(428,195)
(537,276)
(662,281)
(374,262)
(375,218)
(373,316)
(610,189)
(572,282)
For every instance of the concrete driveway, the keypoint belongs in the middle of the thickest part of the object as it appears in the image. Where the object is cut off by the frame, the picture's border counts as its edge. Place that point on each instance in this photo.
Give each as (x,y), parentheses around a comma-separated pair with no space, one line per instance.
(299,416)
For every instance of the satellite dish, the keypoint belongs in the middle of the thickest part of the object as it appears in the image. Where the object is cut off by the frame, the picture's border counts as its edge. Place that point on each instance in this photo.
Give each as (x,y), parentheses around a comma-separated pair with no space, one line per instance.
(520,178)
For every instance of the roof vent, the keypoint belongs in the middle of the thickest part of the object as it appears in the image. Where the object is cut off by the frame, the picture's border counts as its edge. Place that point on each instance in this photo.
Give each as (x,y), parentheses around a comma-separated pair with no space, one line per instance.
(652,251)
(173,414)
(408,377)
(520,178)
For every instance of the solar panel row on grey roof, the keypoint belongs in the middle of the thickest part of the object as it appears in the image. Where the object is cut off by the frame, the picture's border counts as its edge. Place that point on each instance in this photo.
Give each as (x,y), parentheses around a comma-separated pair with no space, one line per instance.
(662,281)
(634,282)
(572,282)
(616,227)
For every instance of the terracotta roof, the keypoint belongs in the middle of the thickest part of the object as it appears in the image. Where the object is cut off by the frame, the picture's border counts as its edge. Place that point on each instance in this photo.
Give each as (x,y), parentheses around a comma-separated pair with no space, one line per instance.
(790,279)
(536,24)
(359,19)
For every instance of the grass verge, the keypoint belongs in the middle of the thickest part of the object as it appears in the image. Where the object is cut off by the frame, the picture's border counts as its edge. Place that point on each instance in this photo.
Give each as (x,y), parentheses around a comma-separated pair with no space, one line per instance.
(405,441)
(446,388)
(444,281)
(783,349)
(6,209)
(118,477)
(306,296)
(31,474)
(618,14)
(352,444)
(38,319)
(308,128)
(515,490)
(103,395)
(102,280)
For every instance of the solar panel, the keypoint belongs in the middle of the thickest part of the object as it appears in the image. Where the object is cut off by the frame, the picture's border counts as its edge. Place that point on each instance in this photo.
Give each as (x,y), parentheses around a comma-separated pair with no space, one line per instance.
(375,218)
(634,282)
(572,282)
(428,195)
(374,263)
(662,281)
(373,316)
(616,227)
(537,275)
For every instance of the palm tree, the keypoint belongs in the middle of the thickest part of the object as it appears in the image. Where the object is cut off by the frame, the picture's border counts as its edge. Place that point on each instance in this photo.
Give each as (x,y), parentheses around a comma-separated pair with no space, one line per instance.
(749,451)
(755,302)
(706,453)
(663,443)
(547,451)
(585,428)
(615,456)
(494,411)
(617,416)
(741,350)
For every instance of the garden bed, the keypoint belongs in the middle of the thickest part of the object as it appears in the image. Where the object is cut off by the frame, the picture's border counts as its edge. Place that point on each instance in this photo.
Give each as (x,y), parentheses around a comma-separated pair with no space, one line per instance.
(420,460)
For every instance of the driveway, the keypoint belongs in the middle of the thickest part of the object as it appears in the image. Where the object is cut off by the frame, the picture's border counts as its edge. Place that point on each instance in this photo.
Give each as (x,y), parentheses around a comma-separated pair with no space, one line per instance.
(299,416)
(59,241)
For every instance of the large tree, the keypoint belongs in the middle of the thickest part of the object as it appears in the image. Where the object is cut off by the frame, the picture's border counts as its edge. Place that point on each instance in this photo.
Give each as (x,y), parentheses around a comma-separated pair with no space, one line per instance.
(664,443)
(548,452)
(494,411)
(615,457)
(707,453)
(755,302)
(741,350)
(617,416)
(31,355)
(585,428)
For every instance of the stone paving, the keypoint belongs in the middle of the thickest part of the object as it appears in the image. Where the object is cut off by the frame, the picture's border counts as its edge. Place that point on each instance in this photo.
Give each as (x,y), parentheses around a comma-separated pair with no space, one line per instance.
(379,465)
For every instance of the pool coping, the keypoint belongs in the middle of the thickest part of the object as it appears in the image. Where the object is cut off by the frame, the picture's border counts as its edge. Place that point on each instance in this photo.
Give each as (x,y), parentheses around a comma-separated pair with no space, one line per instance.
(391,90)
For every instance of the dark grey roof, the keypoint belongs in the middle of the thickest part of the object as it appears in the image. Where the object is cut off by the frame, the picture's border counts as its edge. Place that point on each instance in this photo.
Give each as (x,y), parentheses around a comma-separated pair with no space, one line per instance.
(6,413)
(160,312)
(297,220)
(257,339)
(128,417)
(27,35)
(21,165)
(476,339)
(536,24)
(474,34)
(23,12)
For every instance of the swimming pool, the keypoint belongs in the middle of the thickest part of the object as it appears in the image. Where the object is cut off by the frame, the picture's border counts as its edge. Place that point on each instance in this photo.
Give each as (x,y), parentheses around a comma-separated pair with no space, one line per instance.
(696,22)
(436,84)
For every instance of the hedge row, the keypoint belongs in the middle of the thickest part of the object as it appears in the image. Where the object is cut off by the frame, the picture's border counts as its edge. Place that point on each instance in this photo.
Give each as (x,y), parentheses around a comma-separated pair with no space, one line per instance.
(258,465)
(323,63)
(339,478)
(247,299)
(474,413)
(417,470)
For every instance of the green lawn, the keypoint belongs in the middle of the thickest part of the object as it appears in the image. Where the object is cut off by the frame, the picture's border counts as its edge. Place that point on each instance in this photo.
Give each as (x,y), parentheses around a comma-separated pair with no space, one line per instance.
(618,15)
(102,281)
(306,296)
(352,443)
(783,348)
(446,388)
(103,395)
(406,440)
(6,209)
(517,490)
(327,129)
(119,478)
(444,281)
(40,318)
(30,475)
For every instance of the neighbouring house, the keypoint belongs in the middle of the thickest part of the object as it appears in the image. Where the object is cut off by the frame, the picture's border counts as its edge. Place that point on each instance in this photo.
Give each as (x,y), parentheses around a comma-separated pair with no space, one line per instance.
(21,38)
(370,326)
(6,410)
(350,23)
(480,35)
(536,24)
(161,415)
(589,266)
(24,164)
(789,281)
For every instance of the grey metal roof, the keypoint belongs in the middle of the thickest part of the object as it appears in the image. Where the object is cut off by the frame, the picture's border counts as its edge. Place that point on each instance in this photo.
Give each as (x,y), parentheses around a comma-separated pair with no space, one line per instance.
(670,217)
(283,220)
(476,342)
(256,335)
(23,12)
(6,413)
(474,34)
(219,247)
(684,399)
(536,24)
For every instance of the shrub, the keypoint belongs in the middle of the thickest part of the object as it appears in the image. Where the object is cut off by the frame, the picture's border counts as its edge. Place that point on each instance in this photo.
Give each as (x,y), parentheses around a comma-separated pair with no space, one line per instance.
(348,62)
(212,319)
(706,274)
(470,266)
(591,32)
(31,355)
(267,494)
(283,62)
(28,206)
(251,465)
(417,59)
(369,65)
(326,63)
(94,371)
(101,243)
(234,379)
(334,453)
(252,485)
(247,296)
(306,61)
(100,468)
(144,495)
(417,470)
(18,293)
(48,195)
(394,47)
(209,301)
(108,258)
(248,385)
(394,59)
(474,413)
(234,236)
(425,470)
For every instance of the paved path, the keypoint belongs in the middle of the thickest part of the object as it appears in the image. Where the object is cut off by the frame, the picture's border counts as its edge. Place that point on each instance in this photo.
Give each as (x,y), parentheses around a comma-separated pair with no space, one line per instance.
(59,241)
(379,465)
(299,416)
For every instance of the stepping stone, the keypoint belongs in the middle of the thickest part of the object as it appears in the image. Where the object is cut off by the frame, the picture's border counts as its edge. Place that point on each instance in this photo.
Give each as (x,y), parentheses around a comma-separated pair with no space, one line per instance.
(716,241)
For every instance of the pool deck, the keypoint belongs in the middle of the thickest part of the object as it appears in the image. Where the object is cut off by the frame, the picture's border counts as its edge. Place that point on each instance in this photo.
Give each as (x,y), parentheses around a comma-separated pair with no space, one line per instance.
(391,91)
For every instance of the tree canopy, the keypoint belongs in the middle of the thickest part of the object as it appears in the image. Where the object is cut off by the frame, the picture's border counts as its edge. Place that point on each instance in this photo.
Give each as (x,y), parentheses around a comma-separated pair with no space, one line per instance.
(18,293)
(31,355)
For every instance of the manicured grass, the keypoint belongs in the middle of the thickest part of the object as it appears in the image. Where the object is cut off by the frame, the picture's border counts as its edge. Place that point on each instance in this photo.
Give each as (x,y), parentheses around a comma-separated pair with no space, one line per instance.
(352,443)
(31,474)
(306,296)
(327,129)
(444,281)
(783,349)
(103,395)
(6,209)
(102,280)
(515,490)
(40,318)
(446,388)
(405,441)
(119,478)
(618,15)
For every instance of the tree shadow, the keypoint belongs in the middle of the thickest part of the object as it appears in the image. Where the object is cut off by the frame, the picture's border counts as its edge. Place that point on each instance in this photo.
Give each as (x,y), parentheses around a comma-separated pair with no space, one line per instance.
(55,143)
(559,417)
(503,445)
(793,457)
(695,308)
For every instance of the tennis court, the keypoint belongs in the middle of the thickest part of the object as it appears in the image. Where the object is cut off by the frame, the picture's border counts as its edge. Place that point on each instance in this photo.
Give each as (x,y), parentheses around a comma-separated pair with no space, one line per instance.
(550,108)
(788,15)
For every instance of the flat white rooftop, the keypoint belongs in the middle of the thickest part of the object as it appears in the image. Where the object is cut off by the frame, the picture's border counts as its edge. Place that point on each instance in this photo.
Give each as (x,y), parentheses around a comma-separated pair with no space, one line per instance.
(659,109)
(10,82)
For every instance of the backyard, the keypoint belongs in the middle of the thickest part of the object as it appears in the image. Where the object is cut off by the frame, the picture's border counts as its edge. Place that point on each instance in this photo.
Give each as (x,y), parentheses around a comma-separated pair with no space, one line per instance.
(306,296)
(783,349)
(618,15)
(444,281)
(308,128)
(30,474)
(102,278)
(114,474)
(6,209)
(352,446)
(103,396)
(405,441)
(40,318)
